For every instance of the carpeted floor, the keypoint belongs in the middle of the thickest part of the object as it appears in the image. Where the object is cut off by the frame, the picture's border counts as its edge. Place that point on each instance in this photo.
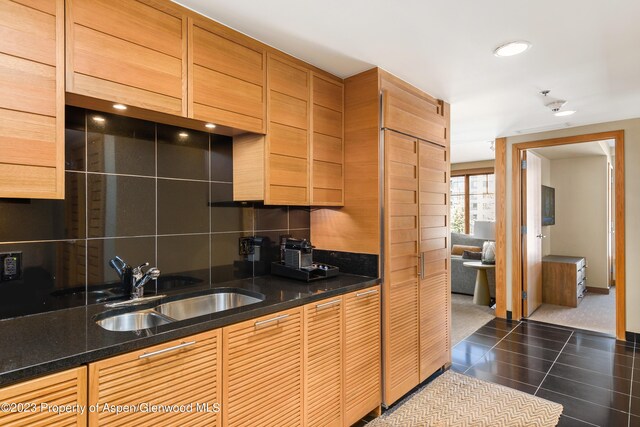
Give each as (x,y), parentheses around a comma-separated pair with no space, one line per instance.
(596,312)
(454,399)
(467,317)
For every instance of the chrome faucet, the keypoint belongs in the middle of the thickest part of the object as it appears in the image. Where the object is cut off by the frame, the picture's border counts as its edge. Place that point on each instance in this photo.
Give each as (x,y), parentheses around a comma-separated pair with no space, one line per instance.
(134,279)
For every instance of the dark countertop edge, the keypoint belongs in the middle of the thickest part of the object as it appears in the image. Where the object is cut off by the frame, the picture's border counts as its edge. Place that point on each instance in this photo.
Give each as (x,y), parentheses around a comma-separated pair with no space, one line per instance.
(9,378)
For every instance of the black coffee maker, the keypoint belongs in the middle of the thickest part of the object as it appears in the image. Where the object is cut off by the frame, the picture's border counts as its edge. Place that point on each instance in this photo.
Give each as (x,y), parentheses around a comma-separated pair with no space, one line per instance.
(297,262)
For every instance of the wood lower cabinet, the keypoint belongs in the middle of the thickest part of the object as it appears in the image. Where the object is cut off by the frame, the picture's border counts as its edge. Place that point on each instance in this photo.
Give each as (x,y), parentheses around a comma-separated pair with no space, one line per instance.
(131,52)
(32,99)
(227,76)
(30,401)
(263,371)
(564,280)
(324,362)
(180,372)
(362,376)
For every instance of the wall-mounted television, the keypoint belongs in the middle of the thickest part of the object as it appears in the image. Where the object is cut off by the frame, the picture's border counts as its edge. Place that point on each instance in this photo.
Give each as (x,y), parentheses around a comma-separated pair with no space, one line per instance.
(548,205)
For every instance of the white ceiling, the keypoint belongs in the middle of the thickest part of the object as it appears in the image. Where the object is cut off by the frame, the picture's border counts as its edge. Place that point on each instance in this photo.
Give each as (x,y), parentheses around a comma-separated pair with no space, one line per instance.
(584,51)
(570,151)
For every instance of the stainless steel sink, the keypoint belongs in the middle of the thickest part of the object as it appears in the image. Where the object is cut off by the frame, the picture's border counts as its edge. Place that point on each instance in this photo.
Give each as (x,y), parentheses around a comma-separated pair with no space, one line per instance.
(206,304)
(133,321)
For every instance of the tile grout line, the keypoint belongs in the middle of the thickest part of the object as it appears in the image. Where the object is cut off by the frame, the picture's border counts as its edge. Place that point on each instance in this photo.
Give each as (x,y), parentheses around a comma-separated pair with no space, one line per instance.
(554,362)
(582,421)
(494,346)
(635,345)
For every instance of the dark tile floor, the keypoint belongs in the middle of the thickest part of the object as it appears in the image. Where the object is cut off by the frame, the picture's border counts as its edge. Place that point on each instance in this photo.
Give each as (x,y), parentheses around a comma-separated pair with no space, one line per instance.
(593,376)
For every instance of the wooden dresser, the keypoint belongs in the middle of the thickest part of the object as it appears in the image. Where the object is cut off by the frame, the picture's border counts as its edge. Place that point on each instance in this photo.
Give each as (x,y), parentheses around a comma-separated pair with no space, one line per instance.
(564,279)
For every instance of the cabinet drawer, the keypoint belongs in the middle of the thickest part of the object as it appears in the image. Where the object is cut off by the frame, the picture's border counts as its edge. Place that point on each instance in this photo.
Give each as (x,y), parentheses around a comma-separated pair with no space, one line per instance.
(263,368)
(180,372)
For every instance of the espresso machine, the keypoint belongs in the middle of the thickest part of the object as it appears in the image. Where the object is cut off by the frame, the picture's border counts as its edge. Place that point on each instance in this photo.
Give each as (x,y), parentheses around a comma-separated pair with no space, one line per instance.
(296,262)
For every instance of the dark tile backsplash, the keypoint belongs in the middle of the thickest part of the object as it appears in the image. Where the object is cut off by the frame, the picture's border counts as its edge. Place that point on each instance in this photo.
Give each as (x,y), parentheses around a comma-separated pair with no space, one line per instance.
(349,262)
(144,191)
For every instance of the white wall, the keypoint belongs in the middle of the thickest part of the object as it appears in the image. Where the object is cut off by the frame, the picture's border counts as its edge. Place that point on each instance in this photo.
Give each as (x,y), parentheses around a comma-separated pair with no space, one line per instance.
(581,213)
(473,165)
(632,210)
(546,180)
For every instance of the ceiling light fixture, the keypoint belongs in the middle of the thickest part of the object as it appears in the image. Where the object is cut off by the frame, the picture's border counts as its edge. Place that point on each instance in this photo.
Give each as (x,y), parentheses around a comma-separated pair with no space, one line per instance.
(210,126)
(120,107)
(564,113)
(511,48)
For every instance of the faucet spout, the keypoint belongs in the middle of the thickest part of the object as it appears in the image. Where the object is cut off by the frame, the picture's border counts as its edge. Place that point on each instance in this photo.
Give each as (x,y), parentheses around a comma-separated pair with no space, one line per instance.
(142,279)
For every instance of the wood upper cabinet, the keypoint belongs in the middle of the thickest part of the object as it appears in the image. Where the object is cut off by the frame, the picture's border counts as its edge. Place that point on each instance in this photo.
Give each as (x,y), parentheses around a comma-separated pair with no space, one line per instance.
(64,388)
(362,390)
(324,362)
(263,371)
(327,153)
(132,52)
(180,372)
(227,75)
(32,99)
(401,305)
(287,144)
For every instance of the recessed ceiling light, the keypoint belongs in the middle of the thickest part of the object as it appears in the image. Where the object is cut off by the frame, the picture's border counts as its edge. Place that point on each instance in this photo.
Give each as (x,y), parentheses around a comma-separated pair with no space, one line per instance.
(511,48)
(210,126)
(564,113)
(183,134)
(98,119)
(119,106)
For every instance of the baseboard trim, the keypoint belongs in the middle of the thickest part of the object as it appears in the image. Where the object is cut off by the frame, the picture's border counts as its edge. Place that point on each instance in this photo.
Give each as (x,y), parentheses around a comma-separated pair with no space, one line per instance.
(632,336)
(595,290)
(509,315)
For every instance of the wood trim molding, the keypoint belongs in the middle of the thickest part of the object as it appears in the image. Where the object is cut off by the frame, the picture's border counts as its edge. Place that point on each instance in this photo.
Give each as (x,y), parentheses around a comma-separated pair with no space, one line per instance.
(594,290)
(476,171)
(501,227)
(516,215)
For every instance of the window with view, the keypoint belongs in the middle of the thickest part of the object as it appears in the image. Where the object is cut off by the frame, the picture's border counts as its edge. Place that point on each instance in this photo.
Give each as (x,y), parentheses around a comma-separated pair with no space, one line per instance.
(472,199)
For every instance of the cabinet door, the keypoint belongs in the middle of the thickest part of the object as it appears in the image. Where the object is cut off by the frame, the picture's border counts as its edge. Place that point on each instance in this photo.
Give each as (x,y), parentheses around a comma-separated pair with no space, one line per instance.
(287,149)
(182,372)
(323,363)
(401,311)
(227,77)
(129,52)
(263,371)
(327,166)
(32,99)
(362,392)
(64,388)
(435,303)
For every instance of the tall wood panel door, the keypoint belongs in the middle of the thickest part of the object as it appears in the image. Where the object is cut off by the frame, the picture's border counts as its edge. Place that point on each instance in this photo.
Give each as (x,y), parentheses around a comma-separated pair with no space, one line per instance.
(435,303)
(532,237)
(327,160)
(323,362)
(400,304)
(180,372)
(287,149)
(131,52)
(362,391)
(61,389)
(227,77)
(32,99)
(263,371)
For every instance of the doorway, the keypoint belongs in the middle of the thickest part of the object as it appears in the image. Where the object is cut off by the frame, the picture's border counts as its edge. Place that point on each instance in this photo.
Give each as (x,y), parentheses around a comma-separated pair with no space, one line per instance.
(517,249)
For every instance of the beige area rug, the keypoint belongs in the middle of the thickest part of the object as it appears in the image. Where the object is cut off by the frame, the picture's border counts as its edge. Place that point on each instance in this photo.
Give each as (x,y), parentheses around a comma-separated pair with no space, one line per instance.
(596,312)
(455,399)
(467,317)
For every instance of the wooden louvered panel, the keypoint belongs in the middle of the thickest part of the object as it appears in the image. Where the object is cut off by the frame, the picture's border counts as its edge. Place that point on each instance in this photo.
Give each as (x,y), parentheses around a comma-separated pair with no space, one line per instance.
(323,363)
(362,391)
(288,93)
(262,366)
(130,52)
(64,388)
(184,376)
(401,333)
(434,247)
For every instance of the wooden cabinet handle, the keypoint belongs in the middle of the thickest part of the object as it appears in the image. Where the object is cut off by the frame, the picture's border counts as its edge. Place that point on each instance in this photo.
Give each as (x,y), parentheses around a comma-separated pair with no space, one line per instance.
(364,294)
(327,304)
(274,319)
(165,350)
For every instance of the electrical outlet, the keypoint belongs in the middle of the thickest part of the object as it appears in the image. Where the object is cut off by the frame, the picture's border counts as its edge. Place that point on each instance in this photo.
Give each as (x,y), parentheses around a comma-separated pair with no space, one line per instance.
(246,246)
(10,266)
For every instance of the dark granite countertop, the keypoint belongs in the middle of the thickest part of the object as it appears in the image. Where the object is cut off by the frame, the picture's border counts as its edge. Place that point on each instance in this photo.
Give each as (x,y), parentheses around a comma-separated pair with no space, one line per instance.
(40,344)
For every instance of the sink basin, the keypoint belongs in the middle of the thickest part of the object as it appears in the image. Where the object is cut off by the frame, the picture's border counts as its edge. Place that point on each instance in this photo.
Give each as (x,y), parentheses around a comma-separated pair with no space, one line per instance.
(133,321)
(205,304)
